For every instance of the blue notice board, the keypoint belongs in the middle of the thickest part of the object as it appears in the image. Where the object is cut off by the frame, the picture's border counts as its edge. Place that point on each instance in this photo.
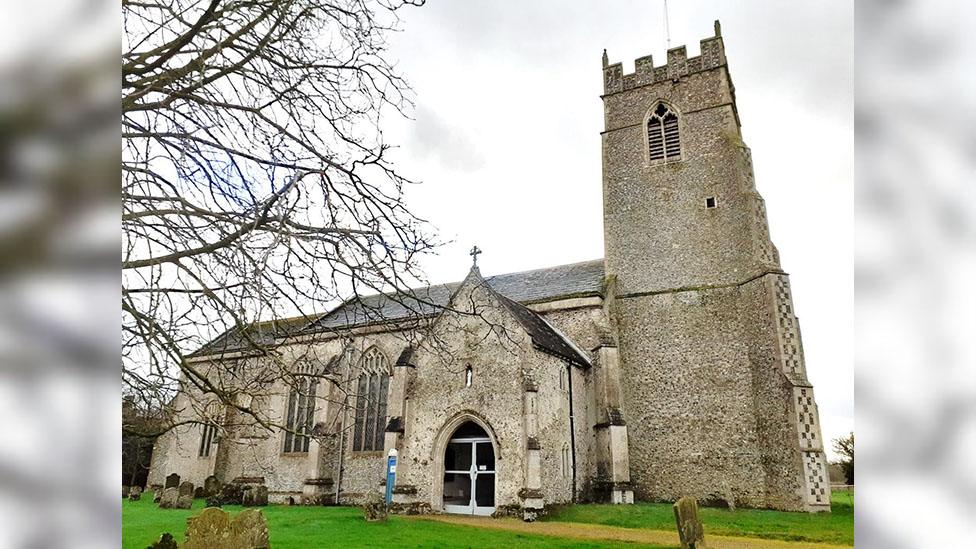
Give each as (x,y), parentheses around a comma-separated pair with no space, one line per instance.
(391,464)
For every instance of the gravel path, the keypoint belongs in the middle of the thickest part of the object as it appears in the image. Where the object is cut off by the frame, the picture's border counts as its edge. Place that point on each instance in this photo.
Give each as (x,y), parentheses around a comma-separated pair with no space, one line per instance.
(616,533)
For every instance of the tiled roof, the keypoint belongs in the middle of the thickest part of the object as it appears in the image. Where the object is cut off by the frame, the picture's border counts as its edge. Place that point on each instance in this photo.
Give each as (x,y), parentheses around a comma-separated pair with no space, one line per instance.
(575,279)
(261,333)
(572,280)
(543,335)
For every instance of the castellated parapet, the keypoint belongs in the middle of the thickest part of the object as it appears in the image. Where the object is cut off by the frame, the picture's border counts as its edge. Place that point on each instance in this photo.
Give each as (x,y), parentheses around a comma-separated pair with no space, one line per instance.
(678,65)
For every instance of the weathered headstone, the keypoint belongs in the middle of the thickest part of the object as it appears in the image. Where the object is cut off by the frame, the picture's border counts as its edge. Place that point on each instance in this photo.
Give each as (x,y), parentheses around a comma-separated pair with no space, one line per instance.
(211,486)
(166,541)
(213,529)
(198,492)
(184,502)
(172,481)
(690,529)
(135,493)
(186,488)
(125,491)
(169,498)
(250,529)
(374,509)
(255,496)
(206,529)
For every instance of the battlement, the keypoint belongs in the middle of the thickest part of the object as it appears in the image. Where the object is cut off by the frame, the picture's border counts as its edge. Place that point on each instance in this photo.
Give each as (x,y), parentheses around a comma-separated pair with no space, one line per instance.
(678,65)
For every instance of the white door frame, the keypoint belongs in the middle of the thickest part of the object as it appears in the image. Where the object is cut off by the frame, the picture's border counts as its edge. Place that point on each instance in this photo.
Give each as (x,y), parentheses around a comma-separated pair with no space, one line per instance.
(472,508)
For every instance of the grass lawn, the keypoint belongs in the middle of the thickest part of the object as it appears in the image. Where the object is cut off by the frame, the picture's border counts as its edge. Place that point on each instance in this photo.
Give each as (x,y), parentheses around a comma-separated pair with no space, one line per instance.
(310,527)
(835,527)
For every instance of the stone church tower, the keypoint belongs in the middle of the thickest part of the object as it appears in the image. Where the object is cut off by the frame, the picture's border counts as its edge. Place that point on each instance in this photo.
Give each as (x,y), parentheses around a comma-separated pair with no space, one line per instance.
(715,392)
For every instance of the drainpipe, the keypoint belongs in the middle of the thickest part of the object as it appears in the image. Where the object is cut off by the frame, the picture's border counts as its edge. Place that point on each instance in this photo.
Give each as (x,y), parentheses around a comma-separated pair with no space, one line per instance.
(342,449)
(342,429)
(572,427)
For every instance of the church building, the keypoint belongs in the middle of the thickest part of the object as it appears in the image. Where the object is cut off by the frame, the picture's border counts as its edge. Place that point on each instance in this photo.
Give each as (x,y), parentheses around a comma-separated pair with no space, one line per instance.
(671,367)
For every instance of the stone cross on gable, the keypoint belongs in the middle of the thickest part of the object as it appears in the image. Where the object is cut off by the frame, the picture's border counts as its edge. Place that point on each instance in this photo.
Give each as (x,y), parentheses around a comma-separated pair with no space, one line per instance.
(474,255)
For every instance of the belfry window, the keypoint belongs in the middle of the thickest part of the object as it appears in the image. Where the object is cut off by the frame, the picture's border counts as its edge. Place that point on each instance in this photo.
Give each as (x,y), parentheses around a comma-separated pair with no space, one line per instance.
(374,384)
(663,141)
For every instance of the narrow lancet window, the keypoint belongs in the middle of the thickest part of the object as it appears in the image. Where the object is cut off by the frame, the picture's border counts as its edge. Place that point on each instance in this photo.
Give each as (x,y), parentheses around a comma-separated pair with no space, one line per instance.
(467,376)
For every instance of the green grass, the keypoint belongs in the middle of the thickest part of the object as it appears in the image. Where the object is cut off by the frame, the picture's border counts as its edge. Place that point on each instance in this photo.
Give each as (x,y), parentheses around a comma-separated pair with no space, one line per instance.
(834,527)
(310,527)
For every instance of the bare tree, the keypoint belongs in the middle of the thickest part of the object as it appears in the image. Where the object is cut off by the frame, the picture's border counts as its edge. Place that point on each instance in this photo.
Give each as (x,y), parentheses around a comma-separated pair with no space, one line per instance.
(256,182)
(845,447)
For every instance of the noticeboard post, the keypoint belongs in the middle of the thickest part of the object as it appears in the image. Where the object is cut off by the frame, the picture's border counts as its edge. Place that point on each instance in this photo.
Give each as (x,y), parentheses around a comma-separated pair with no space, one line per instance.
(391,464)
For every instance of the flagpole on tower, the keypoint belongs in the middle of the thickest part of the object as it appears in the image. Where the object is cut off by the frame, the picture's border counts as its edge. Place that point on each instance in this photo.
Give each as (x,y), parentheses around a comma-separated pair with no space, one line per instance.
(667,24)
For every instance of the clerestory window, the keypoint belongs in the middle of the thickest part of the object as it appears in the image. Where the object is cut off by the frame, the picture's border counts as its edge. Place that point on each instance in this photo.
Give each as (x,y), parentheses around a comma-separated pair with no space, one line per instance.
(373,386)
(663,140)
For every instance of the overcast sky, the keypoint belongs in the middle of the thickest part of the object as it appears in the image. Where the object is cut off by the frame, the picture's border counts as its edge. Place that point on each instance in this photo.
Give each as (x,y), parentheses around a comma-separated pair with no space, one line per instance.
(506,139)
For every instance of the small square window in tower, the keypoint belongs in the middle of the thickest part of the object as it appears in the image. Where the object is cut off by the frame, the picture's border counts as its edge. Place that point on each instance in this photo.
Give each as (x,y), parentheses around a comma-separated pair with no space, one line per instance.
(710,202)
(663,140)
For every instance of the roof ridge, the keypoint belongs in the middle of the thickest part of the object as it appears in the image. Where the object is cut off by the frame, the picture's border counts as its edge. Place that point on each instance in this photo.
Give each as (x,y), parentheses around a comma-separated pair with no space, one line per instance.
(444,284)
(600,259)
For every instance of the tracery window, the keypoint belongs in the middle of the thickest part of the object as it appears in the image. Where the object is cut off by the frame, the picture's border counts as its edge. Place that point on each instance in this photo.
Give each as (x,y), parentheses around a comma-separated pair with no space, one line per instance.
(663,141)
(372,389)
(301,412)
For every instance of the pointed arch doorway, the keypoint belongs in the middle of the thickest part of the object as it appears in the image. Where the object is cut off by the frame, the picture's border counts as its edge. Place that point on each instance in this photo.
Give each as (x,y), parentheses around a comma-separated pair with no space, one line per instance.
(469,472)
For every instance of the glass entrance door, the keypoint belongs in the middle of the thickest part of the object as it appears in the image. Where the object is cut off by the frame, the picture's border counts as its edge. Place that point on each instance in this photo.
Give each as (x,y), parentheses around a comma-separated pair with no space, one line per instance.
(469,476)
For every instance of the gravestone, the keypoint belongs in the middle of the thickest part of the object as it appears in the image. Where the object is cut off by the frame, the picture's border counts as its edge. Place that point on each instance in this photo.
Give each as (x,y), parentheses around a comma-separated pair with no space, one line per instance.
(184,502)
(211,486)
(198,492)
(169,498)
(135,493)
(157,495)
(125,491)
(690,529)
(250,529)
(166,541)
(213,529)
(185,498)
(261,495)
(172,481)
(255,496)
(206,529)
(375,509)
